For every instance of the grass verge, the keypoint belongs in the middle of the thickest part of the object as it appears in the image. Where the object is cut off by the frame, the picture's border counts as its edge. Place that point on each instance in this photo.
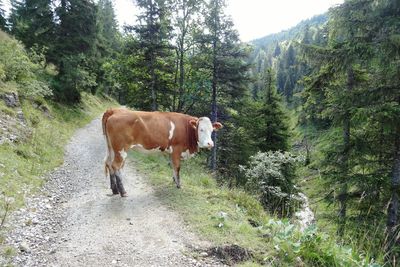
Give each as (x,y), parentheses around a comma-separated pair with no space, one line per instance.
(231,216)
(23,164)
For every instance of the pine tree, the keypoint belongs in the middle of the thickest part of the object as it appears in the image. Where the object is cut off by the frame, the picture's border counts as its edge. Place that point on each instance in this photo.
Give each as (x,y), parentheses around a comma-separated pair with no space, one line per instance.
(75,47)
(32,22)
(185,25)
(287,73)
(77,27)
(385,111)
(107,49)
(333,89)
(107,29)
(353,90)
(277,51)
(307,35)
(3,20)
(155,67)
(223,56)
(272,132)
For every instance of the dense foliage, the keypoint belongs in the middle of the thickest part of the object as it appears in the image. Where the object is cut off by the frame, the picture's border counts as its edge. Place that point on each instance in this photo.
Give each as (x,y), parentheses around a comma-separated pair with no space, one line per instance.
(19,71)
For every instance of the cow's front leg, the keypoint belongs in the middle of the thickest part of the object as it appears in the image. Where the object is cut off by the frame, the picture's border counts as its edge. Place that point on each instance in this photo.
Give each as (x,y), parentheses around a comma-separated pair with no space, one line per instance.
(113,184)
(120,186)
(176,161)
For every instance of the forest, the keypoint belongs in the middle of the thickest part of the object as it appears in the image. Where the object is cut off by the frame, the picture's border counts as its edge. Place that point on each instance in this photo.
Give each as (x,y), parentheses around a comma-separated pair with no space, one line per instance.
(314,109)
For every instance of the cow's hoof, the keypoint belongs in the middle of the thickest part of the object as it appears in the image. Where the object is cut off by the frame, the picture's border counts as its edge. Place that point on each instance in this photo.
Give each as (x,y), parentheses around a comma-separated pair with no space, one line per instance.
(124,194)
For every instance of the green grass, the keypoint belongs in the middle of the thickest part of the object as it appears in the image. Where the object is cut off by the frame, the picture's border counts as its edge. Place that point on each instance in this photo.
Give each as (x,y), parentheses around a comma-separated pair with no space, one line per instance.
(23,164)
(221,216)
(215,213)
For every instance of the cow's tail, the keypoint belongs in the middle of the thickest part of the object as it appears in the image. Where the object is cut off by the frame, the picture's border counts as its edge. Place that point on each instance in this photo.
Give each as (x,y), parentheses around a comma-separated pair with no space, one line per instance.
(109,112)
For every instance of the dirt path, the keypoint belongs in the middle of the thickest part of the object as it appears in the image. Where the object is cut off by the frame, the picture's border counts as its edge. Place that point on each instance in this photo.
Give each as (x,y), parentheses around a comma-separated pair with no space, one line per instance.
(74,223)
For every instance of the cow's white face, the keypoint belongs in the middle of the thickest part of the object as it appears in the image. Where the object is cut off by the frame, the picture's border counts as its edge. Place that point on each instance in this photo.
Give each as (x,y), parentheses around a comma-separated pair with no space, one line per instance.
(204,131)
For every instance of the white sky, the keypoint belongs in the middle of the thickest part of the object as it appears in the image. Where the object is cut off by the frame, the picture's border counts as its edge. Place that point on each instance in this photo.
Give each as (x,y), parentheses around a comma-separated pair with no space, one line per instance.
(253,18)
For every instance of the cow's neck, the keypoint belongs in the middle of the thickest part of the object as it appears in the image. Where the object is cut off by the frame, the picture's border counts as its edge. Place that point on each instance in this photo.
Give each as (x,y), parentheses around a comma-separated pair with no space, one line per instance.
(192,138)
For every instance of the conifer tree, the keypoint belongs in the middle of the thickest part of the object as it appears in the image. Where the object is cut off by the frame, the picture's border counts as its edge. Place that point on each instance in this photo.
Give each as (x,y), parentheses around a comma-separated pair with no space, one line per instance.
(185,24)
(223,58)
(287,73)
(272,132)
(333,89)
(3,20)
(32,22)
(75,47)
(155,68)
(107,29)
(107,49)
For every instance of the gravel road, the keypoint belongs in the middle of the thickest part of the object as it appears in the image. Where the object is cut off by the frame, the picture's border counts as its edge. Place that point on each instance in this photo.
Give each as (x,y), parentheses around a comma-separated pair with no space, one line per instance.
(73,222)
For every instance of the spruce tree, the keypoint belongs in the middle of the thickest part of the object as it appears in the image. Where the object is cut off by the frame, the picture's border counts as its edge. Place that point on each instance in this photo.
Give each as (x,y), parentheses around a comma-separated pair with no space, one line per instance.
(272,132)
(107,29)
(3,20)
(355,90)
(287,73)
(75,47)
(185,25)
(107,49)
(223,58)
(333,89)
(155,68)
(32,22)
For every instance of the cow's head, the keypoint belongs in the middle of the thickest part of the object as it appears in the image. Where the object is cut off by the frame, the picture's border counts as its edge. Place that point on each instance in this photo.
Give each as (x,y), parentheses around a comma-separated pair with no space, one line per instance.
(204,129)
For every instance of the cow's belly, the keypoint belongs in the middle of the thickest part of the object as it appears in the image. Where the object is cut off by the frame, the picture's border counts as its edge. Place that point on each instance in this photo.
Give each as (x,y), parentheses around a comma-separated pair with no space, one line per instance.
(156,150)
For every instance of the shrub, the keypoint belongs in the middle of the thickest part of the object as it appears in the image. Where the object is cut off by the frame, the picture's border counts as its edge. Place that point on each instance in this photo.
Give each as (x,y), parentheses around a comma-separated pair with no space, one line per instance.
(271,176)
(16,67)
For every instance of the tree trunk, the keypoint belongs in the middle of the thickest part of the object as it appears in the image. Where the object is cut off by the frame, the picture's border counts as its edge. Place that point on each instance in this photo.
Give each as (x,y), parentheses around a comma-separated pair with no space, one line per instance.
(344,164)
(181,78)
(214,111)
(153,86)
(175,96)
(392,225)
(153,93)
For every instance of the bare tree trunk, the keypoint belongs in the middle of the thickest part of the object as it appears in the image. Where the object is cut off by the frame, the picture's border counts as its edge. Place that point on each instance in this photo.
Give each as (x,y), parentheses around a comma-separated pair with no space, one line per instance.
(152,69)
(181,78)
(174,104)
(153,86)
(214,111)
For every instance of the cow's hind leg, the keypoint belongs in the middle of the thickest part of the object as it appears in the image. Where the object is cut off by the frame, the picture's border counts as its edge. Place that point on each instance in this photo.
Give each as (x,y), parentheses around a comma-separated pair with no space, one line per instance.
(176,162)
(117,165)
(113,184)
(120,186)
(109,169)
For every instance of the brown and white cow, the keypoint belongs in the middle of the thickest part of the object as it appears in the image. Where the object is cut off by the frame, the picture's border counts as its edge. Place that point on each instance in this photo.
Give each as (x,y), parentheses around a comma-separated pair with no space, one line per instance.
(180,135)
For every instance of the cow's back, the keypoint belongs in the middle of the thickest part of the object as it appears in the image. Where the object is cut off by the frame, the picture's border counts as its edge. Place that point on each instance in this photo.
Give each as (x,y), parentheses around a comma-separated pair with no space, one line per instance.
(150,130)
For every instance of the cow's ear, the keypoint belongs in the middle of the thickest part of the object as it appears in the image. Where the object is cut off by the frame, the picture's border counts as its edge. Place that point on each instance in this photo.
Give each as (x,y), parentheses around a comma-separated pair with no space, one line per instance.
(193,123)
(217,126)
